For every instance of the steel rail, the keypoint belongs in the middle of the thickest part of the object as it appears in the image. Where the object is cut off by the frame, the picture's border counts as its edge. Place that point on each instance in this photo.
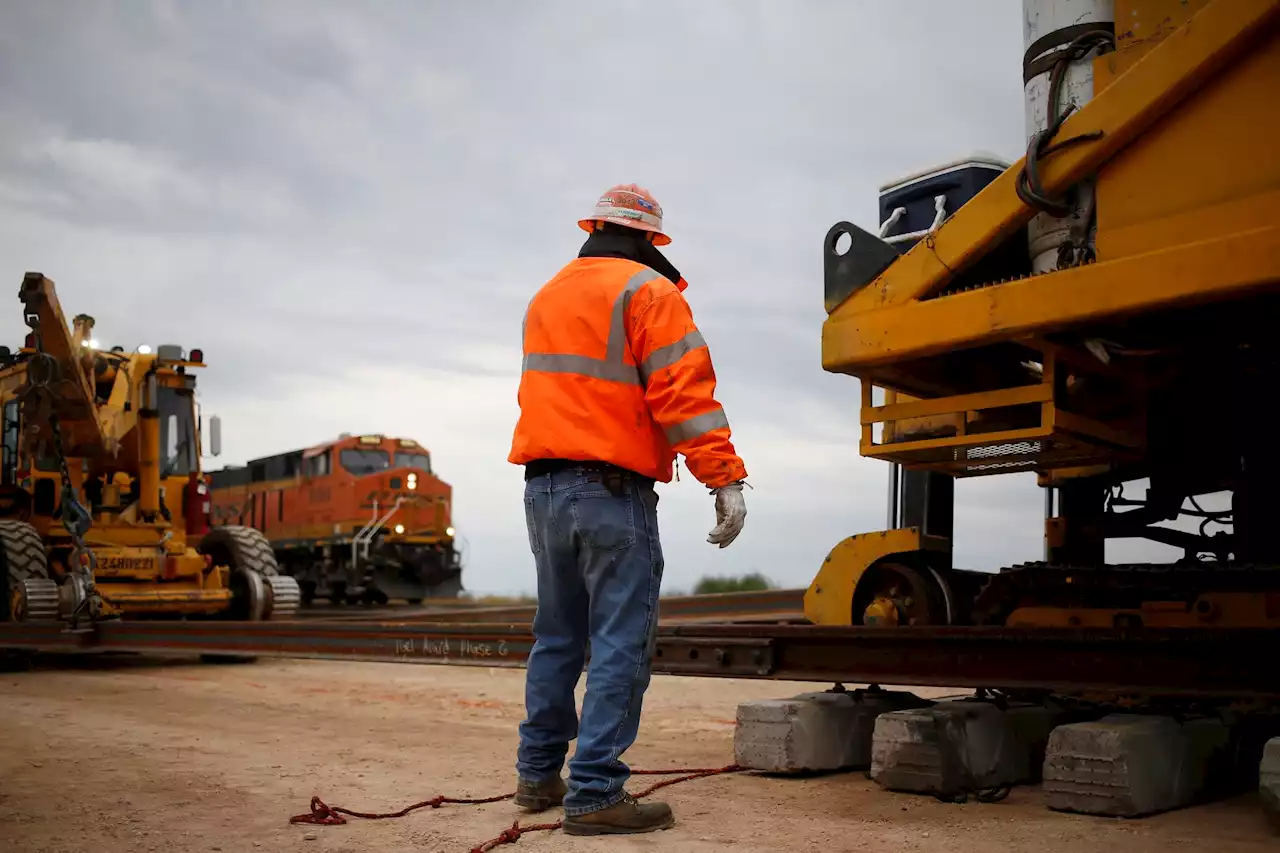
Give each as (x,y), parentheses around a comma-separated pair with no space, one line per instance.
(774,605)
(1183,662)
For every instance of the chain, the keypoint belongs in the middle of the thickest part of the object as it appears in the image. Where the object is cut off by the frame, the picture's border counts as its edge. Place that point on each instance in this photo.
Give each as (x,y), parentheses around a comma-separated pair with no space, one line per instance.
(43,374)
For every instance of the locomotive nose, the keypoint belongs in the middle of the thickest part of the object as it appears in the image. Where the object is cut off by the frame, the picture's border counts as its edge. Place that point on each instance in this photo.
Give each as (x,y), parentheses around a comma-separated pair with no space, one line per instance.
(403,480)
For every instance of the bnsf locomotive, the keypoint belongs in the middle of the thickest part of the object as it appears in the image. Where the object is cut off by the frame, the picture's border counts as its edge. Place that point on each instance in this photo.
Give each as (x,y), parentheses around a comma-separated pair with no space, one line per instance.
(360,519)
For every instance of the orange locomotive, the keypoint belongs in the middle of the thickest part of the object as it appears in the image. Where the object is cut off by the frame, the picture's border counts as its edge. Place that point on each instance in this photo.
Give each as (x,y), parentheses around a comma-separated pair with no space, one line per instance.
(360,519)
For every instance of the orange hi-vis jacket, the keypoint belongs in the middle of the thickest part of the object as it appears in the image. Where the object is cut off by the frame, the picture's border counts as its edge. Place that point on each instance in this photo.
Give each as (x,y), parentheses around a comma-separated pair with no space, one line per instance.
(616,371)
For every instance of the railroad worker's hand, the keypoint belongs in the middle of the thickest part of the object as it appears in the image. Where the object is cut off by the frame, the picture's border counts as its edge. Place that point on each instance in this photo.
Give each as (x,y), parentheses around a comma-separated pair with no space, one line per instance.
(731,512)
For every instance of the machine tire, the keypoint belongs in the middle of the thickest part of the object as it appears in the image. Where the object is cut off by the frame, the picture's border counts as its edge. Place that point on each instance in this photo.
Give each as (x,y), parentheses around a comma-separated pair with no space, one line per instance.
(22,557)
(241,548)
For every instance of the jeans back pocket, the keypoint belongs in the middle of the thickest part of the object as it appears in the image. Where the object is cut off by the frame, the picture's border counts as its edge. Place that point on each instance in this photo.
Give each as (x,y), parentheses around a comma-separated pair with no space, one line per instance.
(604,521)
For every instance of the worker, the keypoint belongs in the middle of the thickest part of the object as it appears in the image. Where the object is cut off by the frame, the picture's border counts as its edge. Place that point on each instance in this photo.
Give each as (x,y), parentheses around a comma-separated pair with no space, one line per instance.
(616,380)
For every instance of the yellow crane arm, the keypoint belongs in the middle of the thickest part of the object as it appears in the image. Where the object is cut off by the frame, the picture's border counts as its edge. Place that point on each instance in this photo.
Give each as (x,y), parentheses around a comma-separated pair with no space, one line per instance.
(59,379)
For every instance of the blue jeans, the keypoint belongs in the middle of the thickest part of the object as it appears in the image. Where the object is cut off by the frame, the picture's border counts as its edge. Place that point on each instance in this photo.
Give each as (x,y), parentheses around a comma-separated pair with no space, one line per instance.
(599,567)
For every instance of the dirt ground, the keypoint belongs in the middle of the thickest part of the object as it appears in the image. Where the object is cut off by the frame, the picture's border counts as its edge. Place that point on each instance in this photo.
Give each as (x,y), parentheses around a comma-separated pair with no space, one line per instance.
(163,756)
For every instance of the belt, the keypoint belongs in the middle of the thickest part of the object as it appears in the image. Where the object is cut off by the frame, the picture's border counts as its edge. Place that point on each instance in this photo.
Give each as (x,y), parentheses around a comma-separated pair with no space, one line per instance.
(542,467)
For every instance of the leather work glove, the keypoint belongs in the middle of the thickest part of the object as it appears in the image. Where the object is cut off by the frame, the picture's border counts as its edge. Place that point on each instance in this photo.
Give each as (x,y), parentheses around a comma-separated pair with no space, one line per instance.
(731,512)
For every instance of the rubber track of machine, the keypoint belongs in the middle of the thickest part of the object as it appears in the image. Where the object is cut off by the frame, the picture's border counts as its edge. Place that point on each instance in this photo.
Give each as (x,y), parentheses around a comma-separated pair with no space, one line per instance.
(998,598)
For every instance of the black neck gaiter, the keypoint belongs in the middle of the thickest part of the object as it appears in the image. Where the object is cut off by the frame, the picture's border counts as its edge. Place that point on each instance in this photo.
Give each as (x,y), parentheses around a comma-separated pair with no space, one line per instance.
(612,244)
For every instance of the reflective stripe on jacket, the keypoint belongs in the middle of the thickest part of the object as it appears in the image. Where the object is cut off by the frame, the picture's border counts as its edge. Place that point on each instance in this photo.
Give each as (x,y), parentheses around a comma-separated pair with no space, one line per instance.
(616,371)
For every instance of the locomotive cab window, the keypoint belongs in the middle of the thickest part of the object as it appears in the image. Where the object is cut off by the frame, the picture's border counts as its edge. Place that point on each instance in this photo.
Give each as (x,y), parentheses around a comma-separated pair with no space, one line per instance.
(319,465)
(420,461)
(359,462)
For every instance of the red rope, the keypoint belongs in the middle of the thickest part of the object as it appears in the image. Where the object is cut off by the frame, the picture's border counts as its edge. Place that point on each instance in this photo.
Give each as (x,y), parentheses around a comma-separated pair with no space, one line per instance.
(512,835)
(327,815)
(322,814)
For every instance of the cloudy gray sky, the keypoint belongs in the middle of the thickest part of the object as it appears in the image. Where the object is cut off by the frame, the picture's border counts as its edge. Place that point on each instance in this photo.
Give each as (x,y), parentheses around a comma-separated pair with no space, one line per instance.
(348,206)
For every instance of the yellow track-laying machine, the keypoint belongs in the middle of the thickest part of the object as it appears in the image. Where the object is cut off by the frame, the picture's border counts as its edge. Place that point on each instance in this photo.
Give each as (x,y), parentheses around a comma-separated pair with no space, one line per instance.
(1101,313)
(104,511)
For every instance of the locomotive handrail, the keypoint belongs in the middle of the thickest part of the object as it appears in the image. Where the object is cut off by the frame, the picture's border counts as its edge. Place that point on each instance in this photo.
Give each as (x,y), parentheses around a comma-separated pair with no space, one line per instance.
(362,539)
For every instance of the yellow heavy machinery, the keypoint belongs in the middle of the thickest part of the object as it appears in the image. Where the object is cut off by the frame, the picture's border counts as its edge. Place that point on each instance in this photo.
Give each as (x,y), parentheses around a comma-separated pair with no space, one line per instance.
(104,511)
(1101,312)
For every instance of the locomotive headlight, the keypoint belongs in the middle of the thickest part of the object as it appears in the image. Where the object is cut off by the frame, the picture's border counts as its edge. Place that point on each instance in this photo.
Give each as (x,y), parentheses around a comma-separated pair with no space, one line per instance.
(411,482)
(449,531)
(399,529)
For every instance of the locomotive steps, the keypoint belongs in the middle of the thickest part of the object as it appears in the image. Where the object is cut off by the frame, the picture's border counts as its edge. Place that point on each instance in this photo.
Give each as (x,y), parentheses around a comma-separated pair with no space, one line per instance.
(1087,760)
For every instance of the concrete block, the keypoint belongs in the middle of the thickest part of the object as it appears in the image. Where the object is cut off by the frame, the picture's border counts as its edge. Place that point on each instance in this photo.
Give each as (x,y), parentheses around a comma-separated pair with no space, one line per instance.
(1269,782)
(1129,765)
(813,731)
(959,746)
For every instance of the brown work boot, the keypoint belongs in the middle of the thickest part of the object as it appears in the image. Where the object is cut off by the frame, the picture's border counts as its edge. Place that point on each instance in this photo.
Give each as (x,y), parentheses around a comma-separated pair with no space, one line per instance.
(623,817)
(540,796)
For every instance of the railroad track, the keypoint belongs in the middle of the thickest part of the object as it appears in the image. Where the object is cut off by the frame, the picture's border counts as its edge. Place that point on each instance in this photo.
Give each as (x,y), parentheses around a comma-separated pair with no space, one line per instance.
(752,635)
(1205,663)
